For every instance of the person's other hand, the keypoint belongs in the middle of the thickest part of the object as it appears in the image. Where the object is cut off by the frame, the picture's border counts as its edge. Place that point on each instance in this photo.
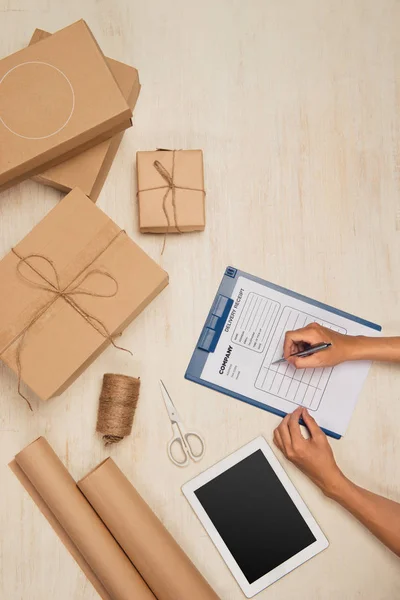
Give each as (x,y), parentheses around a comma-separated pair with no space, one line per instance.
(313,456)
(301,339)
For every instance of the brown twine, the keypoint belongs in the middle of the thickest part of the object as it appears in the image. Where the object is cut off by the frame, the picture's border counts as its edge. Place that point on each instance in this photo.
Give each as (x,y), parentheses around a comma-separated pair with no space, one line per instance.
(67,293)
(170,187)
(117,405)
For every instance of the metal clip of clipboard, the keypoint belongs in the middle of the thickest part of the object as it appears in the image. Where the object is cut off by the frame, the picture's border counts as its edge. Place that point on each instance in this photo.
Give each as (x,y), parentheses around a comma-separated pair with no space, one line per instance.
(215,323)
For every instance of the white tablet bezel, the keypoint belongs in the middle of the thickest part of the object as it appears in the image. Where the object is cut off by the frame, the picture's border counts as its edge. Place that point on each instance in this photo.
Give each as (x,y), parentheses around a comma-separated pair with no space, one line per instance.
(251,589)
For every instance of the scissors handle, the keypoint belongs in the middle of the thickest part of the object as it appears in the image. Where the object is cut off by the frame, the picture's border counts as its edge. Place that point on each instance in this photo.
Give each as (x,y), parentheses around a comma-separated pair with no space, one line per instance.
(180,443)
(196,456)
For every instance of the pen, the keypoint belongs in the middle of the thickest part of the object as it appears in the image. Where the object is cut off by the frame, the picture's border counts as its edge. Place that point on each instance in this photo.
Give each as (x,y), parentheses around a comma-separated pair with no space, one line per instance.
(311,350)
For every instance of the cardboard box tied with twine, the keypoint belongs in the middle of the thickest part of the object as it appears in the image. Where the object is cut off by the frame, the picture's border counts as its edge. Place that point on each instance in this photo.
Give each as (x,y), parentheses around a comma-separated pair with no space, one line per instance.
(171,194)
(57,98)
(67,289)
(89,170)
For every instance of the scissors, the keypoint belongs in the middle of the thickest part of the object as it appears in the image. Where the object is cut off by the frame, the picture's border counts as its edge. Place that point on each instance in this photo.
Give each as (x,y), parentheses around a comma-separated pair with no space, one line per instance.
(181,437)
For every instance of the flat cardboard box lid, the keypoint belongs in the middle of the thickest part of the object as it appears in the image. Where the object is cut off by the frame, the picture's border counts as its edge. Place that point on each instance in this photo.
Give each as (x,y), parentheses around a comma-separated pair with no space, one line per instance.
(89,170)
(55,95)
(80,240)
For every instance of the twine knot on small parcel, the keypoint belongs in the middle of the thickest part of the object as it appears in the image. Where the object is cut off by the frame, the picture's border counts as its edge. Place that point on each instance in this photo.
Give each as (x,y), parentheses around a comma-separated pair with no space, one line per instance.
(170,186)
(67,293)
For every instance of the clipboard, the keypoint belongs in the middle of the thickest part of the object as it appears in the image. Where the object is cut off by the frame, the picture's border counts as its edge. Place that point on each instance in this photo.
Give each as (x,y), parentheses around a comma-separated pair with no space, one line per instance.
(256,348)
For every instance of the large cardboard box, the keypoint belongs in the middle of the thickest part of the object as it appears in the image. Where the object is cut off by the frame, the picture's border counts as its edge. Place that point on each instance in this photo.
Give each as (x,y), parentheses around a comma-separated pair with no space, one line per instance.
(57,98)
(71,285)
(89,170)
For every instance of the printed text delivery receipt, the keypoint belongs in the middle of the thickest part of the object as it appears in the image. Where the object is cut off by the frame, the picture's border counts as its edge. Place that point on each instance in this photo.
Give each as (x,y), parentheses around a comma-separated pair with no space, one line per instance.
(252,339)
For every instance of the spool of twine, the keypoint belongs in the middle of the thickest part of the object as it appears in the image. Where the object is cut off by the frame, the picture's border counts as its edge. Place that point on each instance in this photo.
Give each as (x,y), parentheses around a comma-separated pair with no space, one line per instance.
(117,405)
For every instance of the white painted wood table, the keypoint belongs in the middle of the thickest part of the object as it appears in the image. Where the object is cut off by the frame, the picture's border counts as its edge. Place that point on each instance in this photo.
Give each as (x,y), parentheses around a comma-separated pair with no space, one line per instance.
(296,106)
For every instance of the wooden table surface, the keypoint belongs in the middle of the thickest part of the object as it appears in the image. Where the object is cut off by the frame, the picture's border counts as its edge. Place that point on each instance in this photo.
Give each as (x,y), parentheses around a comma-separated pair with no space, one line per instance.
(296,106)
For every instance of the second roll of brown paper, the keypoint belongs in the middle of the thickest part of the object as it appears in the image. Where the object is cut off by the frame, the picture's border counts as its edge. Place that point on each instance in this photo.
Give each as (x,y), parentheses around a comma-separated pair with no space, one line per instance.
(156,555)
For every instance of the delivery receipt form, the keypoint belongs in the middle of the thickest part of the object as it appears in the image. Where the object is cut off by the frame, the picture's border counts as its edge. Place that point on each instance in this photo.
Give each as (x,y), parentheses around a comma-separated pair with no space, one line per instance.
(252,338)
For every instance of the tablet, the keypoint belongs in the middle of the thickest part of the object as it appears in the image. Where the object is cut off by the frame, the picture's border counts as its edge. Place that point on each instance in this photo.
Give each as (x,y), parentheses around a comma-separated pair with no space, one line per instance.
(255,516)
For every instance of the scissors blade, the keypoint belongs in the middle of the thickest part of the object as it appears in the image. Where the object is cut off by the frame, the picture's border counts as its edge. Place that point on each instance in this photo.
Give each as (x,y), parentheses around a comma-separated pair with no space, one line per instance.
(171,410)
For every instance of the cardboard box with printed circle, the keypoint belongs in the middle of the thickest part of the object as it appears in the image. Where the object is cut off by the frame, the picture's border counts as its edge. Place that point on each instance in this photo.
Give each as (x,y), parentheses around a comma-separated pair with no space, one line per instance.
(89,170)
(57,98)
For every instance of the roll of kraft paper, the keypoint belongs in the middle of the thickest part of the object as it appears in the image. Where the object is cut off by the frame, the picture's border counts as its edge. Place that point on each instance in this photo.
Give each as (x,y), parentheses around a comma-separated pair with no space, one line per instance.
(66,540)
(162,563)
(86,537)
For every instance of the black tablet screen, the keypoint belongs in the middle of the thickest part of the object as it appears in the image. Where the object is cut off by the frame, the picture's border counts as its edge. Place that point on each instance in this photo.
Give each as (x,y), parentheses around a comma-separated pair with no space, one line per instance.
(255,516)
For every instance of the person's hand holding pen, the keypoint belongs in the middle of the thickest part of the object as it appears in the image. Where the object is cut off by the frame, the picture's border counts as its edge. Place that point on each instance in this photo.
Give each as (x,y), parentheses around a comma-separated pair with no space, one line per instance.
(311,335)
(342,347)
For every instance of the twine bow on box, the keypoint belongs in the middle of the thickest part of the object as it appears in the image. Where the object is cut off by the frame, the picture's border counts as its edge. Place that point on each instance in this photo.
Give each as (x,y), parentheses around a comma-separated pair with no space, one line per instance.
(67,293)
(170,186)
